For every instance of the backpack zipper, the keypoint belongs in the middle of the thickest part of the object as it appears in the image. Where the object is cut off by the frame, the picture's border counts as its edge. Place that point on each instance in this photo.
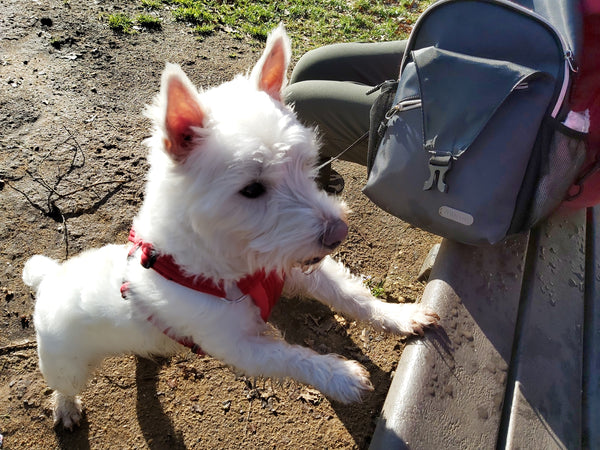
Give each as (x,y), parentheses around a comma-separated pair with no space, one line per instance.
(569,56)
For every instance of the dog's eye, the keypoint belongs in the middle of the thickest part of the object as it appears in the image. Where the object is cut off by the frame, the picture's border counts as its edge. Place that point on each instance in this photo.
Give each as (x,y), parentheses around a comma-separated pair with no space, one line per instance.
(253,190)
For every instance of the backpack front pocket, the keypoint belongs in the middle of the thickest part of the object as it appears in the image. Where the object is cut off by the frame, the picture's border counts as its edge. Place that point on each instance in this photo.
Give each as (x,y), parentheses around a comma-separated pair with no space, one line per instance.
(454,165)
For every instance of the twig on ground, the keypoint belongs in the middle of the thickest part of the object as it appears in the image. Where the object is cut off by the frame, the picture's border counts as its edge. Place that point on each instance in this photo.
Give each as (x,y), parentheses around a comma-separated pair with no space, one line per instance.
(89,186)
(16,347)
(53,210)
(248,418)
(65,232)
(77,147)
(35,205)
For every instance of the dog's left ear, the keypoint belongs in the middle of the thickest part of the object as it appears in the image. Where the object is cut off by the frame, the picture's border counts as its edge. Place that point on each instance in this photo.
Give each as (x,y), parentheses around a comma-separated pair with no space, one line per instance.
(182,112)
(270,72)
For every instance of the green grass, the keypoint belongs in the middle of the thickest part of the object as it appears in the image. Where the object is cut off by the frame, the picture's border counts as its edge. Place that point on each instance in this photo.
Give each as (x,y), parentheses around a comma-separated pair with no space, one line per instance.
(121,23)
(376,288)
(310,23)
(148,21)
(152,4)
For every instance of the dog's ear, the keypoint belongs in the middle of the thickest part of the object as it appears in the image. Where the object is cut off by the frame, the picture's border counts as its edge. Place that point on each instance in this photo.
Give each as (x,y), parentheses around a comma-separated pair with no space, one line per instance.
(182,112)
(270,72)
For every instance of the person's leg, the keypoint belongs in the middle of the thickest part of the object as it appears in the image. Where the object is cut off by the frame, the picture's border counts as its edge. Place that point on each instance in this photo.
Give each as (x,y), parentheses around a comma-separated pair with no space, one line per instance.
(328,90)
(365,63)
(339,110)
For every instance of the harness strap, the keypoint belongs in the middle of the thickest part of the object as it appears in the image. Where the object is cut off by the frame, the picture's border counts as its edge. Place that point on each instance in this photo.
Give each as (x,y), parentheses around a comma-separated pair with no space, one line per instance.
(186,341)
(264,289)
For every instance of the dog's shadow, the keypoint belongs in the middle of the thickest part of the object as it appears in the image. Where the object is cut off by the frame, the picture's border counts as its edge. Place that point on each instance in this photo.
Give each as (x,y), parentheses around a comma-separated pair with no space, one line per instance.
(303,322)
(68,440)
(322,335)
(149,410)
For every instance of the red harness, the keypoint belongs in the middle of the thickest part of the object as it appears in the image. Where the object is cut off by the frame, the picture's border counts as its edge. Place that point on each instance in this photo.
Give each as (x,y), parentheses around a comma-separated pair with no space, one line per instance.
(264,289)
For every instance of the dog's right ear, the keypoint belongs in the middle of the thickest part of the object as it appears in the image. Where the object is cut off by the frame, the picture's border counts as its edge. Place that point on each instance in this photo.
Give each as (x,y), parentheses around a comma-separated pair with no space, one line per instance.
(269,73)
(183,114)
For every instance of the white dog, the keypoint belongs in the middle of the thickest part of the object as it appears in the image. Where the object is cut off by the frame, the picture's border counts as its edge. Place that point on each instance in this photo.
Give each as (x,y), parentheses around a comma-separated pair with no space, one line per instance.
(232,217)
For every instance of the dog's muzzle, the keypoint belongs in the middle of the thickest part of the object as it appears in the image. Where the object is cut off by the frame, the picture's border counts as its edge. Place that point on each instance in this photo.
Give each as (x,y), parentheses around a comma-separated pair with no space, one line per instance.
(334,234)
(332,237)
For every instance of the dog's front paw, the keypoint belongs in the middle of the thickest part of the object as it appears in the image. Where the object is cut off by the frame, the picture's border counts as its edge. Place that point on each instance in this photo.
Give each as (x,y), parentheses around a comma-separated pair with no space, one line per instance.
(347,380)
(408,318)
(423,317)
(67,410)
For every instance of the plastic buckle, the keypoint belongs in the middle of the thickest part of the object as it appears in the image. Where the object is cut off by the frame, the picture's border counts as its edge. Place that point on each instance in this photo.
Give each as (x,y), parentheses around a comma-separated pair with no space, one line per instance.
(438,167)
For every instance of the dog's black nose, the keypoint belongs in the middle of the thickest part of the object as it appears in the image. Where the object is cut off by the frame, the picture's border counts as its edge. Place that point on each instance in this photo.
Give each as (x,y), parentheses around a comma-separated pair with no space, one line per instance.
(334,234)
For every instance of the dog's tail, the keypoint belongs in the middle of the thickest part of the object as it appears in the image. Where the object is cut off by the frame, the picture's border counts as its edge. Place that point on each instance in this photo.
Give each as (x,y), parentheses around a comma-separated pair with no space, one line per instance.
(36,268)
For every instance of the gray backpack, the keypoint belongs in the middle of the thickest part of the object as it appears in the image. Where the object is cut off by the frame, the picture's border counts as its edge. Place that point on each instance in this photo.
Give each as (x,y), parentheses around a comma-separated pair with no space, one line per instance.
(470,143)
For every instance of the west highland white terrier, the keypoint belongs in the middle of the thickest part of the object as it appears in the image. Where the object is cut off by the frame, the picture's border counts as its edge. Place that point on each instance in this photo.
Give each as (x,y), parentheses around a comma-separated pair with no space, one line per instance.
(232,218)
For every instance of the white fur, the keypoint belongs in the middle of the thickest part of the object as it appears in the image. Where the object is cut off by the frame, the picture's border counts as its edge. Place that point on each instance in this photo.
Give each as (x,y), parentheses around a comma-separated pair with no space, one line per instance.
(240,133)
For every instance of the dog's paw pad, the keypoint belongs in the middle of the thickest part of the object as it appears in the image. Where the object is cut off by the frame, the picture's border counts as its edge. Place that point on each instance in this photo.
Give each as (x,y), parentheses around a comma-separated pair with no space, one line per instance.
(68,411)
(423,318)
(350,381)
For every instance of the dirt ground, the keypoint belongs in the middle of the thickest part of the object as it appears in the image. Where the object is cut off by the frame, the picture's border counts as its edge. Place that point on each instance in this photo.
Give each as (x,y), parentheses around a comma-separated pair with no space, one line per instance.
(71,177)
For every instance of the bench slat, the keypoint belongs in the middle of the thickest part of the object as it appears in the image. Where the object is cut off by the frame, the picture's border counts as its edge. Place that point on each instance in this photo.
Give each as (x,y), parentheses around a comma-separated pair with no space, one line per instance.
(452,394)
(546,371)
(591,347)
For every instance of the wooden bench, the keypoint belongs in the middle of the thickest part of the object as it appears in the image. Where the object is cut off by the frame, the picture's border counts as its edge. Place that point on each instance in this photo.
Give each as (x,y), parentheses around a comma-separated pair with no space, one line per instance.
(517,362)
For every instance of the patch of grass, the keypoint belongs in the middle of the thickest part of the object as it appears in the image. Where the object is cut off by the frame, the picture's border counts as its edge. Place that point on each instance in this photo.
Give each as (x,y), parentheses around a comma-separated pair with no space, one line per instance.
(56,42)
(152,4)
(148,21)
(196,14)
(205,29)
(310,23)
(121,23)
(376,288)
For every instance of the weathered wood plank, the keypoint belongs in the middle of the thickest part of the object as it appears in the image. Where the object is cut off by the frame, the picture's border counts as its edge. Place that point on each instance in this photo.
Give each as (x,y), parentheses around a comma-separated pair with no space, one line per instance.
(591,347)
(545,386)
(448,391)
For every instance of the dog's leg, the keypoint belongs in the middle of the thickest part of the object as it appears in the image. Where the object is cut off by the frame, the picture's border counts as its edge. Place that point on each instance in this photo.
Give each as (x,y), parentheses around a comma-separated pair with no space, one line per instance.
(333,284)
(338,378)
(67,375)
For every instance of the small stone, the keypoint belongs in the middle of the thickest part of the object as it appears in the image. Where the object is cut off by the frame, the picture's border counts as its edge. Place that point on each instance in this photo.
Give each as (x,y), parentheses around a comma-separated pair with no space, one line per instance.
(428,263)
(25,322)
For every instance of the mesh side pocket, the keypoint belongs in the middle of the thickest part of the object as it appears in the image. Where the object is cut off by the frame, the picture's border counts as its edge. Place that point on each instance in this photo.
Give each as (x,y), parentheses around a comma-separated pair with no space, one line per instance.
(381,106)
(566,151)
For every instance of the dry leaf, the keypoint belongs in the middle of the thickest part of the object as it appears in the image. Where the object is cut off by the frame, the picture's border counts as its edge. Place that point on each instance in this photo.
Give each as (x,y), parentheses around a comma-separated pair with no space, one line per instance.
(311,396)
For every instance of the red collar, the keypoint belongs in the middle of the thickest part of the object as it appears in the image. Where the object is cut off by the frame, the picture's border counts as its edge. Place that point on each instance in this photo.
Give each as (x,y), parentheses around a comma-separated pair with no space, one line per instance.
(264,289)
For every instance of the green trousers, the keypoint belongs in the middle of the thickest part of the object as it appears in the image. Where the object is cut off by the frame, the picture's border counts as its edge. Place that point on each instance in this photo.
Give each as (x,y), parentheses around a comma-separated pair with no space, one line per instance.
(328,90)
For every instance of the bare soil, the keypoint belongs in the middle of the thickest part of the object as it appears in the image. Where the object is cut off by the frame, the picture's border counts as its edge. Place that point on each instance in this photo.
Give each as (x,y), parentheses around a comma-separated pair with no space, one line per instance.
(72,171)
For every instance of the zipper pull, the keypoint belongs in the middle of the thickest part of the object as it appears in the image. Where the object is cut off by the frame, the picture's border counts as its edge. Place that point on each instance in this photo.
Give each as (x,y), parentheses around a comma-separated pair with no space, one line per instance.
(375,89)
(379,86)
(404,105)
(570,57)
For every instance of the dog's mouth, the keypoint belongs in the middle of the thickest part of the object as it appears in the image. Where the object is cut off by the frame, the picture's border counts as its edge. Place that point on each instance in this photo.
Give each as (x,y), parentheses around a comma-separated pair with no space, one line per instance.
(309,265)
(335,231)
(313,261)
